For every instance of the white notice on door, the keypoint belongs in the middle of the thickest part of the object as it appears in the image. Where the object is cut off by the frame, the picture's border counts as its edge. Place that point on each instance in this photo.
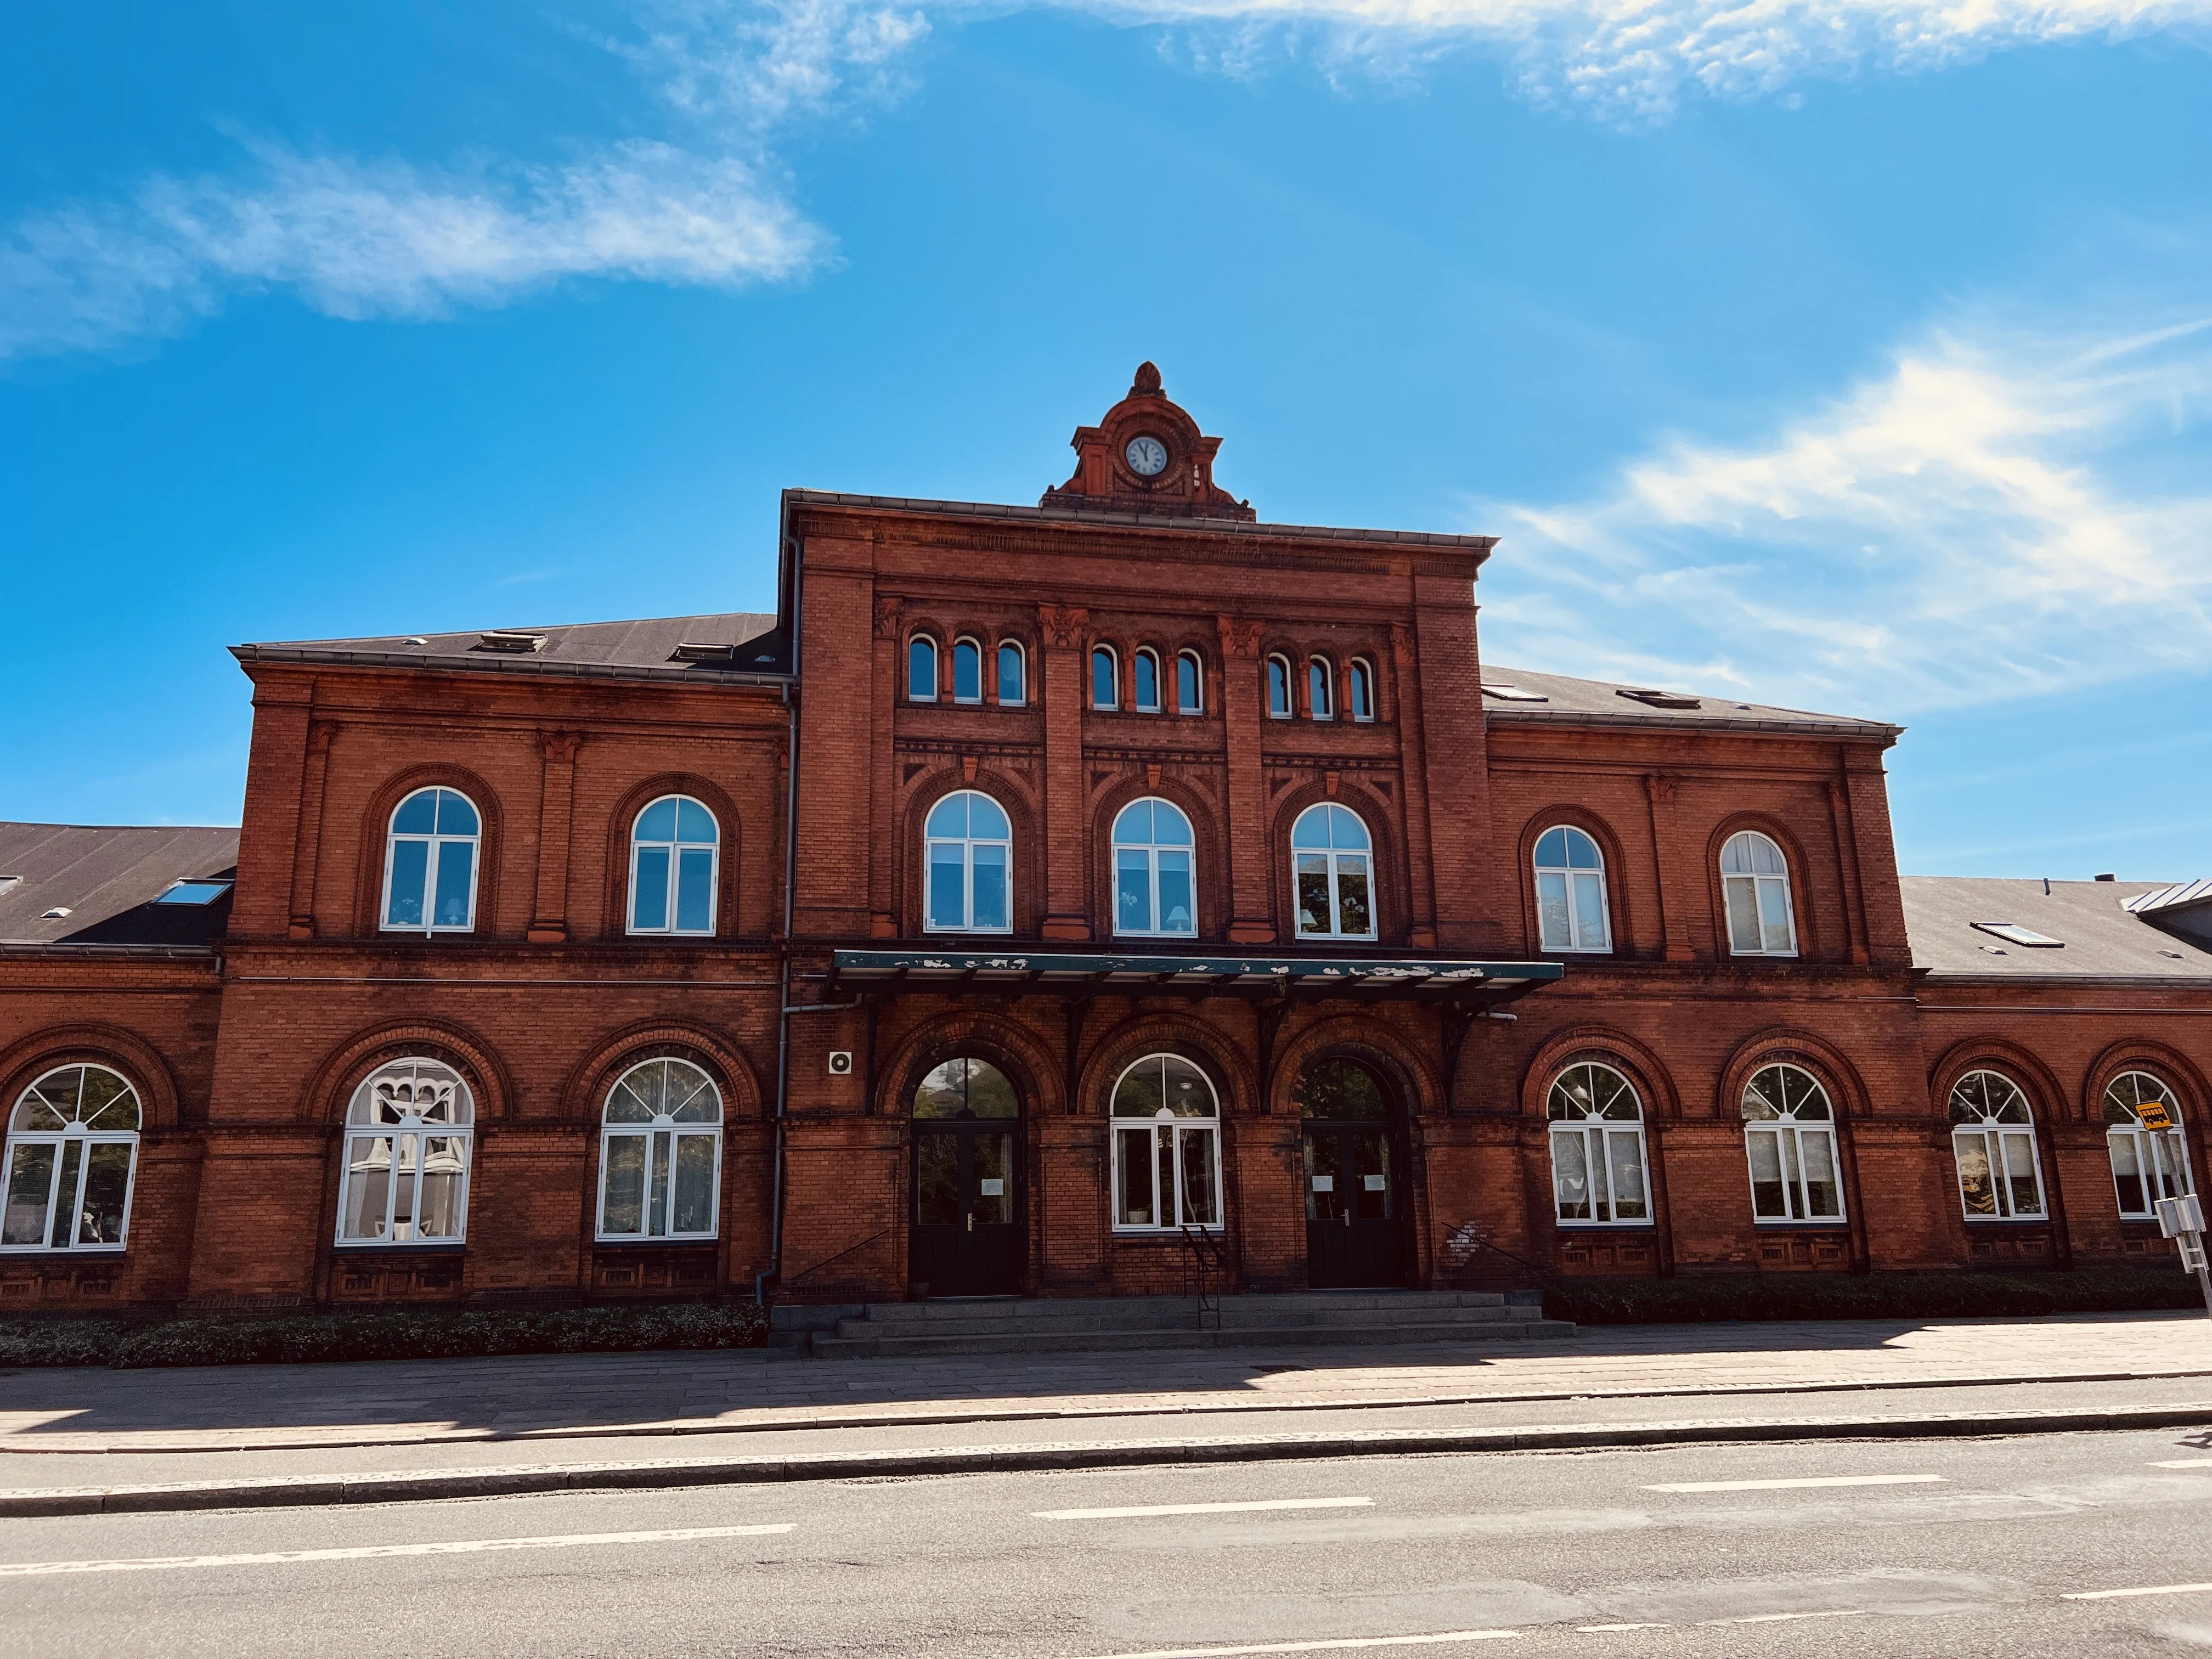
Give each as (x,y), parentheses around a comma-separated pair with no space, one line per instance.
(991,1189)
(1324,1184)
(1374,1184)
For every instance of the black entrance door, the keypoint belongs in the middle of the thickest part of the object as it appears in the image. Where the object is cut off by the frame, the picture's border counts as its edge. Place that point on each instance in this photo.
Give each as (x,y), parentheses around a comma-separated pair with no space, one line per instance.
(1355,1232)
(966,1235)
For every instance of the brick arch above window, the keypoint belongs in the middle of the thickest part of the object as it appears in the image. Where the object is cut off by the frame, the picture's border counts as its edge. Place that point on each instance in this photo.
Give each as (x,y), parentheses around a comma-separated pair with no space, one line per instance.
(1208,842)
(621,822)
(1028,1063)
(2168,1065)
(1024,816)
(1605,1045)
(1620,915)
(2047,1098)
(1802,911)
(584,1091)
(131,1057)
(1406,1071)
(1781,1045)
(330,1090)
(376,827)
(1163,1031)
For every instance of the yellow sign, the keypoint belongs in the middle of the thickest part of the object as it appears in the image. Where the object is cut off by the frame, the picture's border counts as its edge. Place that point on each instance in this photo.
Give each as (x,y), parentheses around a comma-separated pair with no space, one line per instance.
(2154,1115)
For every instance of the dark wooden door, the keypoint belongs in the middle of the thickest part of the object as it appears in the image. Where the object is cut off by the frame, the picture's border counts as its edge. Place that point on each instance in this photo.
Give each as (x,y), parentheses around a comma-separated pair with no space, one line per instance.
(1355,1235)
(967,1238)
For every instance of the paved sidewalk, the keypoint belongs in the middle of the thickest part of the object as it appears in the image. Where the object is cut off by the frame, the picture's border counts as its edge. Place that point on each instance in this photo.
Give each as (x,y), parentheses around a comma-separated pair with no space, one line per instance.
(599,1396)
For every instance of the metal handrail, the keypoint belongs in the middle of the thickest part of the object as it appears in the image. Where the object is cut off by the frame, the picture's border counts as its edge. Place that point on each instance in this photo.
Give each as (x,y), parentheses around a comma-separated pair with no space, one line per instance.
(1203,1253)
(1468,1237)
(841,1255)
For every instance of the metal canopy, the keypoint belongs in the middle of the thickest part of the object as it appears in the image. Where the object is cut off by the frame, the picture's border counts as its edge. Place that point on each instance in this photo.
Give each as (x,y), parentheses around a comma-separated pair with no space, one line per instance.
(1084,973)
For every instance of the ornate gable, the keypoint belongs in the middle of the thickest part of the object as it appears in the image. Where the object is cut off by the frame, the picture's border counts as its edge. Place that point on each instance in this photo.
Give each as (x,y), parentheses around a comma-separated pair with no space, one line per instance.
(1147,456)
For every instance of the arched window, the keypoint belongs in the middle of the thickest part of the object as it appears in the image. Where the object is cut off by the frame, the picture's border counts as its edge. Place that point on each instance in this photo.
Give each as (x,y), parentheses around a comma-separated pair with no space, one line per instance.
(921,668)
(1993,1139)
(1755,880)
(1320,689)
(1153,892)
(1330,857)
(1789,1139)
(2148,1163)
(674,849)
(1167,1148)
(967,672)
(1363,689)
(660,1154)
(1190,683)
(72,1154)
(1279,688)
(1600,1175)
(969,849)
(1148,679)
(1105,677)
(1571,908)
(1013,673)
(430,864)
(407,1156)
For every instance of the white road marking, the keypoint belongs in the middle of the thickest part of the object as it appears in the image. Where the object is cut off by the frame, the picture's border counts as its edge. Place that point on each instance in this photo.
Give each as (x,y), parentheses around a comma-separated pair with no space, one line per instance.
(372,1551)
(1806,1480)
(2185,1463)
(1207,1508)
(1783,1617)
(1435,1639)
(2152,1589)
(1589,1629)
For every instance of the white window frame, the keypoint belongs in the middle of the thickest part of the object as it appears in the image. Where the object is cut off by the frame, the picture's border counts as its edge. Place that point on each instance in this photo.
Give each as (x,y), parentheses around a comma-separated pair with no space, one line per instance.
(1090,663)
(409,1132)
(1990,1136)
(936,668)
(1569,878)
(2156,1151)
(1325,709)
(1164,1124)
(1197,706)
(662,1124)
(1022,656)
(1144,654)
(1289,709)
(676,849)
(977,645)
(967,844)
(74,1132)
(1362,673)
(437,842)
(1770,894)
(1594,1134)
(1152,850)
(1791,1134)
(1337,859)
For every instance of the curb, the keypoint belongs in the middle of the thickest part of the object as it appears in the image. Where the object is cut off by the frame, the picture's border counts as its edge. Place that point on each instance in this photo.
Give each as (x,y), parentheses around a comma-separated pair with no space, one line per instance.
(521,1480)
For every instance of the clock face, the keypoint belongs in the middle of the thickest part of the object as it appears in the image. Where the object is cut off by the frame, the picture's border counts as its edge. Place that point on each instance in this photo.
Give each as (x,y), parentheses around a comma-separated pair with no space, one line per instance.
(1147,456)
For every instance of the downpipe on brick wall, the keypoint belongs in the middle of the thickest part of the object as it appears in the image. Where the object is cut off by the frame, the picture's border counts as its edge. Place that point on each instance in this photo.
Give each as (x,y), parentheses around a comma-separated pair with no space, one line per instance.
(791,550)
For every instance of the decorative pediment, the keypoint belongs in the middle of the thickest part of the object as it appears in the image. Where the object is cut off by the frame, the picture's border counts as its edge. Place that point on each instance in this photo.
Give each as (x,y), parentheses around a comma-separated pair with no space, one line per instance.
(1147,456)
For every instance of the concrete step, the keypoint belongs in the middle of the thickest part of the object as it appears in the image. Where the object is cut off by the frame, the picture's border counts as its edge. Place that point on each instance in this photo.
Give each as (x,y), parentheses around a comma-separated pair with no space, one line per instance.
(1065,1317)
(1153,1306)
(1127,1340)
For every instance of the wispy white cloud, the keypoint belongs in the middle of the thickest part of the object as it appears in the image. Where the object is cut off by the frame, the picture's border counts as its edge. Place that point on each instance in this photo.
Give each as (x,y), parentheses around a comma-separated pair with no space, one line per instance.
(756,63)
(1999,514)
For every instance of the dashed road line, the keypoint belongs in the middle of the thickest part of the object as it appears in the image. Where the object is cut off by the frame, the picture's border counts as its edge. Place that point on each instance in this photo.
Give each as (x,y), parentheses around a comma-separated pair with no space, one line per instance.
(1434,1638)
(1803,1480)
(2185,1464)
(1785,1618)
(376,1551)
(1204,1509)
(2147,1589)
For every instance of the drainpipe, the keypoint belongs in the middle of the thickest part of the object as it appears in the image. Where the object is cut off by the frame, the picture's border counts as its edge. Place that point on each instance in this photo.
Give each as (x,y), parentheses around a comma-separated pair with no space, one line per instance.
(791,550)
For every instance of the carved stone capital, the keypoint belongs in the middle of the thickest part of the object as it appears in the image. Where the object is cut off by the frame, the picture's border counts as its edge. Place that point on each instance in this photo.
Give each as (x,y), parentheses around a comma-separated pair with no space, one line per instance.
(319,735)
(1402,645)
(1063,624)
(887,618)
(1238,638)
(1661,787)
(560,746)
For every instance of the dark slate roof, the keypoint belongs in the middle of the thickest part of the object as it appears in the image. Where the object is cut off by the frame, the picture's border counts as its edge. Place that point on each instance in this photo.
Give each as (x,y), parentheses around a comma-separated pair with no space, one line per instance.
(1599,703)
(107,879)
(611,650)
(2101,939)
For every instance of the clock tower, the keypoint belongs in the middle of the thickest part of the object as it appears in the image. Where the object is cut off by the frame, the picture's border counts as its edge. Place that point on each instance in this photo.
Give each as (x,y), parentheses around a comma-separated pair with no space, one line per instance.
(1147,456)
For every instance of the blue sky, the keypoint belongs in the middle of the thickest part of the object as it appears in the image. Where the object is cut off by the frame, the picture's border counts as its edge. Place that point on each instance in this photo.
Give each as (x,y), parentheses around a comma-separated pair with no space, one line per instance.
(1844,353)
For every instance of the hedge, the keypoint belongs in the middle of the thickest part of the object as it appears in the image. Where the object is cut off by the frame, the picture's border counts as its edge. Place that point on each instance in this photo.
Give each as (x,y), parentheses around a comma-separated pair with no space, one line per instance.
(1868,1296)
(429,1335)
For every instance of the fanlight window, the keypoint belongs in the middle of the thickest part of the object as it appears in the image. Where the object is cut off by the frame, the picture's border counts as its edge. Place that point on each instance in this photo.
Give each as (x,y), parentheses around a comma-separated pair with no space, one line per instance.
(1013,673)
(1363,689)
(1279,688)
(430,864)
(967,672)
(660,1154)
(1105,677)
(966,1088)
(1167,1148)
(921,668)
(408,1129)
(72,1152)
(1346,1142)
(1320,689)
(1600,1170)
(1755,882)
(1993,1139)
(673,856)
(1570,906)
(2147,1164)
(1330,856)
(1148,680)
(1789,1140)
(1190,683)
(969,847)
(1153,892)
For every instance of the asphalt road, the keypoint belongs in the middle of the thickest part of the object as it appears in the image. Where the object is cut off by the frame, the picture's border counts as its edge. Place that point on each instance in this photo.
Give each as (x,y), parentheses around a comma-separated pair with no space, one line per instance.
(1927,1548)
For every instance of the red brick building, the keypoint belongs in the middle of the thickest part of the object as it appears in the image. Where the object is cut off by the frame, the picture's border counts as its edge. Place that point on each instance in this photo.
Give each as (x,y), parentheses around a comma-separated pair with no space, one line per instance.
(1042,895)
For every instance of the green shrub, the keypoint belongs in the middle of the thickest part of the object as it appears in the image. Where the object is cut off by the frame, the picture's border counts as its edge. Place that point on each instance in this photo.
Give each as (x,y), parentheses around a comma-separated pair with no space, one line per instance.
(427,1334)
(1866,1296)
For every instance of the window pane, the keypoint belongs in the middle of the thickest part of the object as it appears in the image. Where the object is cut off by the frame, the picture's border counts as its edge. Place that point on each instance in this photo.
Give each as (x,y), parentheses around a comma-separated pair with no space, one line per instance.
(1354,916)
(990,885)
(417,814)
(967,672)
(1317,689)
(1975,1188)
(445,1175)
(1824,1194)
(1104,694)
(410,862)
(1201,1205)
(2022,1178)
(1551,912)
(649,904)
(623,1212)
(455,815)
(1624,1153)
(1278,687)
(369,1186)
(921,669)
(1743,914)
(1010,675)
(65,1193)
(656,1202)
(694,1184)
(1138,1094)
(1363,692)
(456,858)
(1325,1183)
(936,1180)
(2126,1173)
(1178,909)
(1187,687)
(1763,1148)
(1148,680)
(947,895)
(1133,890)
(2170,1164)
(1164,1172)
(1313,892)
(992,1159)
(1774,914)
(657,821)
(1589,912)
(403,1189)
(1571,1175)
(694,889)
(107,1103)
(1371,1176)
(106,1192)
(1132,1159)
(30,1184)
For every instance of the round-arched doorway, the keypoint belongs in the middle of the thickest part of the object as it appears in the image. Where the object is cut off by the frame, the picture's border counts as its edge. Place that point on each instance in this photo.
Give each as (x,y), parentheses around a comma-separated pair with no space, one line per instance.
(966,1235)
(1354,1177)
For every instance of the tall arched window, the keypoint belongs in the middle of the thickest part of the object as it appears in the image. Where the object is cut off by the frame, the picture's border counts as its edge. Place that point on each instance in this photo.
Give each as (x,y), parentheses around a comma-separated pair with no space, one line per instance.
(1167,1148)
(969,847)
(2148,1163)
(1330,857)
(921,668)
(1789,1139)
(407,1156)
(1153,890)
(1600,1176)
(967,672)
(1320,689)
(1147,666)
(1755,880)
(1013,673)
(1190,683)
(72,1155)
(660,1154)
(430,864)
(1571,908)
(674,850)
(1279,688)
(1993,1139)
(1363,689)
(1105,677)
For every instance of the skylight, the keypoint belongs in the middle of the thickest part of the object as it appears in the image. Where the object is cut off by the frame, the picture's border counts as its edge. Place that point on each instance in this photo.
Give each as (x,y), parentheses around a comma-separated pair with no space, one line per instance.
(510,640)
(10,883)
(1657,698)
(705,651)
(193,893)
(2013,934)
(1514,694)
